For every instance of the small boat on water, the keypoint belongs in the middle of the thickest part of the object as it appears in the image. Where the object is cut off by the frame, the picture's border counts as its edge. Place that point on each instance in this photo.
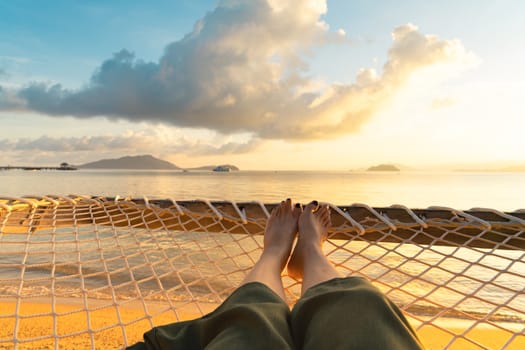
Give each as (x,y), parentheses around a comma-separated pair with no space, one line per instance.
(222,168)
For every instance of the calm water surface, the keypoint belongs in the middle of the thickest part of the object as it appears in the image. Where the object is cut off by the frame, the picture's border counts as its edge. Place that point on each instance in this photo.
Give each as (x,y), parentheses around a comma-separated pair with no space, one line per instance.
(503,191)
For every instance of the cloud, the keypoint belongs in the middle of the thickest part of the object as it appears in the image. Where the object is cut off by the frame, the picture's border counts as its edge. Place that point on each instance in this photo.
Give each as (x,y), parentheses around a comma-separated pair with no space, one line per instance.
(241,69)
(145,142)
(76,144)
(9,100)
(198,148)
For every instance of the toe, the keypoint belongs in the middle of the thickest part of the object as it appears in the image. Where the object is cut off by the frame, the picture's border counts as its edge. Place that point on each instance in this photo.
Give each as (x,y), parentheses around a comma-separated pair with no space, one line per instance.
(287,206)
(277,210)
(311,207)
(322,211)
(297,210)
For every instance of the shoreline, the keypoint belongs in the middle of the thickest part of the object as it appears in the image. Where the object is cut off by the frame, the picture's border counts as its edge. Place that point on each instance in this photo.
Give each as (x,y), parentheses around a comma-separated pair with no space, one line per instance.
(38,168)
(40,324)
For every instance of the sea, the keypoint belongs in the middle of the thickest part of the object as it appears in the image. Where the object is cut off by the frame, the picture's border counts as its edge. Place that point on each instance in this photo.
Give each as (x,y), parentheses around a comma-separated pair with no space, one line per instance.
(460,190)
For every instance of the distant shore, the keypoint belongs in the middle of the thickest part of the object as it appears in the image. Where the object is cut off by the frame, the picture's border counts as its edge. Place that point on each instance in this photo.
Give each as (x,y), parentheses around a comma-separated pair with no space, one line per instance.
(31,168)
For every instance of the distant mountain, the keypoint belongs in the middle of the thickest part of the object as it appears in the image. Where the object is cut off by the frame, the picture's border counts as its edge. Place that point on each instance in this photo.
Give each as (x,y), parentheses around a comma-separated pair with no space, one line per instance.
(383,167)
(211,167)
(131,162)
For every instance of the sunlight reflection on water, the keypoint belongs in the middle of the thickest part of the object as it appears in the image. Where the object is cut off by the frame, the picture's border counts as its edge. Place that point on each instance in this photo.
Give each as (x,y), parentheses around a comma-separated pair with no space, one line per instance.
(502,191)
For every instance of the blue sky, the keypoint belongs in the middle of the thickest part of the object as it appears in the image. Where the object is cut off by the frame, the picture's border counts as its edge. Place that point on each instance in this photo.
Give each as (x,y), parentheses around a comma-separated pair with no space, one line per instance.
(324,44)
(67,40)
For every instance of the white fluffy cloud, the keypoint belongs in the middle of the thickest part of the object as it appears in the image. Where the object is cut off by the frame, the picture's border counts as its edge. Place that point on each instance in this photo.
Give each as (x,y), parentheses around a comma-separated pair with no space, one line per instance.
(241,70)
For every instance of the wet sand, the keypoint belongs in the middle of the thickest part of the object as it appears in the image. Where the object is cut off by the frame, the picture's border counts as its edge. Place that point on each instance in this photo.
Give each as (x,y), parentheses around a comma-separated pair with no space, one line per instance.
(110,324)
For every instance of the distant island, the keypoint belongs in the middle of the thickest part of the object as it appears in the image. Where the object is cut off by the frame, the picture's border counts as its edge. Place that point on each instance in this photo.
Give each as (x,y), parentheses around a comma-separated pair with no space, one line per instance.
(147,162)
(214,167)
(383,167)
(143,162)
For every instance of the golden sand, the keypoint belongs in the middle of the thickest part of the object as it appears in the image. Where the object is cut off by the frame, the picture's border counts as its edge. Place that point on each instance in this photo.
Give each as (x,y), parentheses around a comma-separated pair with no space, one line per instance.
(36,326)
(71,322)
(458,334)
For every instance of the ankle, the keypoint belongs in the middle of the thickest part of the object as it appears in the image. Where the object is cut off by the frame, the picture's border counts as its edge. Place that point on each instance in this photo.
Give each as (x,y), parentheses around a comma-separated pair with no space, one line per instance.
(310,247)
(273,257)
(313,255)
(274,252)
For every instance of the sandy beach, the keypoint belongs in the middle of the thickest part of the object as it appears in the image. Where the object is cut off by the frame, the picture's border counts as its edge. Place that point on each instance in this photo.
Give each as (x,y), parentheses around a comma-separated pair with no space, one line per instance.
(446,331)
(111,324)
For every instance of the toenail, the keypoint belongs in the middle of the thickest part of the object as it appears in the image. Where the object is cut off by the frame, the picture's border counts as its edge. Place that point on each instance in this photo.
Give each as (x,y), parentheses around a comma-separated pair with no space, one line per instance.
(297,205)
(315,202)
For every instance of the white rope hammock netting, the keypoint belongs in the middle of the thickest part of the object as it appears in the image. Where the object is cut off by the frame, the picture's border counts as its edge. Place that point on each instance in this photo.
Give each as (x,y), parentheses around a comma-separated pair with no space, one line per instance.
(96,272)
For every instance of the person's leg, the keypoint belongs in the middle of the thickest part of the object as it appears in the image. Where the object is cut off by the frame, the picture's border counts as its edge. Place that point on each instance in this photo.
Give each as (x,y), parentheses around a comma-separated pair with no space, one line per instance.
(255,315)
(279,235)
(308,262)
(339,313)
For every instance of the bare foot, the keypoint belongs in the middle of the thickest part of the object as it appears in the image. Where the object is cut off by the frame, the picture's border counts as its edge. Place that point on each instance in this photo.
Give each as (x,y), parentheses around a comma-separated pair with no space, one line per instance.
(281,230)
(313,230)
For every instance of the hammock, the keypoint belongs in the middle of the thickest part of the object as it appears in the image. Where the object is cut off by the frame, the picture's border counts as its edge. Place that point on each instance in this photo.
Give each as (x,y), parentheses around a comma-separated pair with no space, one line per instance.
(97,272)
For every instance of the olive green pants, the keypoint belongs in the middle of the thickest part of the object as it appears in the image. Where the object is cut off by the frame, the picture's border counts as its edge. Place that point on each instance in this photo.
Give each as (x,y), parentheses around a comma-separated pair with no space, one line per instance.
(342,313)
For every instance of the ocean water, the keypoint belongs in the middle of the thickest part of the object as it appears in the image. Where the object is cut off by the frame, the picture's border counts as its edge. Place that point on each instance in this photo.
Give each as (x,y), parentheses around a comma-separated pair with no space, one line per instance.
(502,191)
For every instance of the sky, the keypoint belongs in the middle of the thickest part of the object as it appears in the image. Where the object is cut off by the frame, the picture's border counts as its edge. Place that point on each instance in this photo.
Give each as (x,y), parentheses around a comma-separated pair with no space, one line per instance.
(264,84)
